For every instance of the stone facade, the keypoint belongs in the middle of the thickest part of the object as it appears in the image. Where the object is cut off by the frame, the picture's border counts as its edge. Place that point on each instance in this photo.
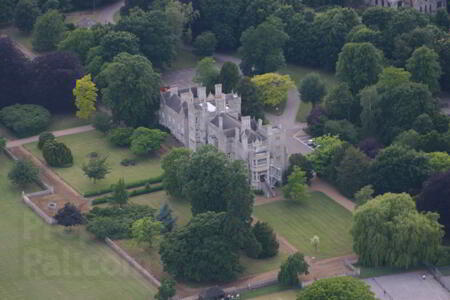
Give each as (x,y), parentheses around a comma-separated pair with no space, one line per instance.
(425,6)
(196,119)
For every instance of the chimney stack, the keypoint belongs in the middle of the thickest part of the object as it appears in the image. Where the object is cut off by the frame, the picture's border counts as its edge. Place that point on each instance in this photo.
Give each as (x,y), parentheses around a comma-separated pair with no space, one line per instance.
(218,90)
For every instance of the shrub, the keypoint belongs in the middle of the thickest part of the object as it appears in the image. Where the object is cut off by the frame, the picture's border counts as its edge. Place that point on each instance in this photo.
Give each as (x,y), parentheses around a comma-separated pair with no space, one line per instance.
(25,119)
(145,140)
(44,138)
(96,169)
(138,192)
(103,122)
(115,222)
(128,162)
(120,136)
(23,173)
(265,235)
(129,185)
(205,44)
(69,215)
(57,154)
(290,269)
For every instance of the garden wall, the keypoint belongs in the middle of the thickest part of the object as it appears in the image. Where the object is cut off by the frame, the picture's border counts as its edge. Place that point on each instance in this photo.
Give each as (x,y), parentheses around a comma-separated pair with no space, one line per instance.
(132,262)
(37,210)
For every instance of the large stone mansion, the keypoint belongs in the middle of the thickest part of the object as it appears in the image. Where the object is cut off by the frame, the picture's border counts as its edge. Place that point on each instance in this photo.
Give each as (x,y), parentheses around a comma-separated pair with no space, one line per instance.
(425,6)
(196,119)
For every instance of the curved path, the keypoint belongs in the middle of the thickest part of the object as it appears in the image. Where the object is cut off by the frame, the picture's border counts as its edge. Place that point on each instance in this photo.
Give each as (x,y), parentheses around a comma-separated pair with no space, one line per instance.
(102,15)
(75,130)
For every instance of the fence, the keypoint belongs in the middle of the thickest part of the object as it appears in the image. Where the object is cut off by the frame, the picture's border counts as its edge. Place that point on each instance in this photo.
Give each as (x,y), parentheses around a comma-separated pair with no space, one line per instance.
(444,281)
(132,262)
(37,210)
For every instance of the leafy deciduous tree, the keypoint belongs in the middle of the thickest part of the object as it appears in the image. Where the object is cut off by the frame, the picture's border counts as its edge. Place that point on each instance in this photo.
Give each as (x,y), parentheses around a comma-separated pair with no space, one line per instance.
(296,188)
(166,290)
(26,14)
(85,93)
(146,230)
(120,193)
(48,31)
(173,164)
(382,229)
(207,73)
(294,266)
(274,88)
(78,41)
(145,140)
(312,89)
(425,68)
(251,98)
(229,76)
(132,89)
(347,288)
(96,169)
(23,173)
(205,44)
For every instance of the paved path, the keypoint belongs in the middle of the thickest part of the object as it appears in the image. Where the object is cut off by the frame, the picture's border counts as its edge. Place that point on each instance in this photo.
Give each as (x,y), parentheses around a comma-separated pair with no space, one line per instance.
(320,185)
(102,15)
(57,133)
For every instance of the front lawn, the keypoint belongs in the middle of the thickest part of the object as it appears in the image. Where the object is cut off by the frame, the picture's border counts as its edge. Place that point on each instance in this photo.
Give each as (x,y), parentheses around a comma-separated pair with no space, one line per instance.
(273,292)
(94,141)
(319,215)
(40,261)
(66,121)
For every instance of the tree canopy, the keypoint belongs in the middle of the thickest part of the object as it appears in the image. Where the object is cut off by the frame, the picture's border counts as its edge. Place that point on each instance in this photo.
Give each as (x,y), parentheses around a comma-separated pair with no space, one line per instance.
(85,93)
(425,68)
(382,229)
(207,73)
(274,88)
(290,269)
(173,164)
(262,47)
(48,31)
(131,89)
(251,98)
(347,288)
(312,89)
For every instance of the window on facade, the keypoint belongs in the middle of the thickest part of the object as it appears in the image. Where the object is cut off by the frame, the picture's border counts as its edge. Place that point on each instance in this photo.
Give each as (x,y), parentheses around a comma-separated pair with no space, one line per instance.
(382,2)
(426,8)
(262,161)
(439,4)
(376,2)
(399,4)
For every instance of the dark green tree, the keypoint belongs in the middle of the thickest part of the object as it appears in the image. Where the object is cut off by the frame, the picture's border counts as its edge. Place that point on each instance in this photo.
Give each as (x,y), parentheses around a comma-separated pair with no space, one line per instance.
(352,171)
(359,65)
(363,34)
(167,289)
(44,138)
(97,168)
(267,238)
(69,216)
(115,42)
(345,130)
(121,136)
(120,193)
(23,173)
(145,140)
(262,47)
(347,288)
(442,19)
(131,89)
(425,68)
(381,232)
(173,164)
(290,269)
(377,17)
(48,31)
(423,124)
(201,251)
(341,104)
(398,169)
(26,14)
(157,41)
(102,122)
(312,89)
(7,11)
(205,44)
(78,41)
(57,154)
(301,161)
(435,197)
(229,76)
(252,99)
(207,73)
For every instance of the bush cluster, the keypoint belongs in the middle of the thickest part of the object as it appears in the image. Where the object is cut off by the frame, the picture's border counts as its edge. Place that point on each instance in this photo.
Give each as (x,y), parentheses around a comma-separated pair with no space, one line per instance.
(25,119)
(57,154)
(128,162)
(146,190)
(115,222)
(129,185)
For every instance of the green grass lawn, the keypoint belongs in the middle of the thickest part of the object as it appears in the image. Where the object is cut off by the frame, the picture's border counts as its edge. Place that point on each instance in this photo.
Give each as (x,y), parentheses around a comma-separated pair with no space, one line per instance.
(297,74)
(180,208)
(66,121)
(319,215)
(40,261)
(185,59)
(94,141)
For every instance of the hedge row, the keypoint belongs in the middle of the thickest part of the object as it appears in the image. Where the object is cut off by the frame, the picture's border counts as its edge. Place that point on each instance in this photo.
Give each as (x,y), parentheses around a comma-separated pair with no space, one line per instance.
(134,193)
(129,185)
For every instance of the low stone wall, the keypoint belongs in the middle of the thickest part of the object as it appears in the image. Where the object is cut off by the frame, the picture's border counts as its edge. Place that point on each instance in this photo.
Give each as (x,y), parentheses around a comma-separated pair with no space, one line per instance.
(444,281)
(37,210)
(132,262)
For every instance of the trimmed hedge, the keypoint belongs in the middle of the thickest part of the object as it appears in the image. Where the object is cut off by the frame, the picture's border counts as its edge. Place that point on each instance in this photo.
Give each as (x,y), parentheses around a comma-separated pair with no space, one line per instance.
(146,190)
(129,185)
